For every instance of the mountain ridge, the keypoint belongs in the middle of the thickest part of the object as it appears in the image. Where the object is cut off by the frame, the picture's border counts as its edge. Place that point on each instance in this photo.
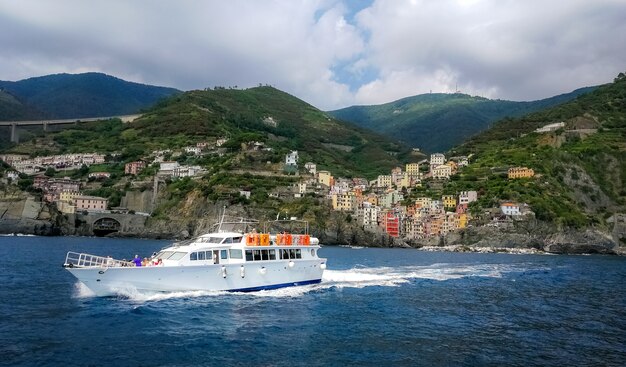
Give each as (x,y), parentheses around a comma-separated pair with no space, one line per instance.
(89,94)
(439,121)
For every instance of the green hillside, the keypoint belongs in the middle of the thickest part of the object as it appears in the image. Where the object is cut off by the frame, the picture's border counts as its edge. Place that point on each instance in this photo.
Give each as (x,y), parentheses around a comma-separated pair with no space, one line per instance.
(83,95)
(580,168)
(264,114)
(436,122)
(13,109)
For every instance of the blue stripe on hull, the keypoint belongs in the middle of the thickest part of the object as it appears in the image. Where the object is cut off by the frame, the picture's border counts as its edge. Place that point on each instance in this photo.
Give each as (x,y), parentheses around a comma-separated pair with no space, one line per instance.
(275,286)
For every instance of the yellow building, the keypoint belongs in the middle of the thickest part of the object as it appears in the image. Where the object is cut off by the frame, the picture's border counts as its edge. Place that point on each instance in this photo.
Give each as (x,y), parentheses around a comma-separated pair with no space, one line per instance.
(413,169)
(405,181)
(344,202)
(423,202)
(68,196)
(449,201)
(463,220)
(520,172)
(325,178)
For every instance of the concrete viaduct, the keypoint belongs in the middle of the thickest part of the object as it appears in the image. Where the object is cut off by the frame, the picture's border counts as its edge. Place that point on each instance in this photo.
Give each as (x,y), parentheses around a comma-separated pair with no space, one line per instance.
(45,123)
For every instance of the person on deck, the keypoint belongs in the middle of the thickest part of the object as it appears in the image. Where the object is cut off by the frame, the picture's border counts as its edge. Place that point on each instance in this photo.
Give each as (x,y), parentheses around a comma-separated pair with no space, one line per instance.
(137,260)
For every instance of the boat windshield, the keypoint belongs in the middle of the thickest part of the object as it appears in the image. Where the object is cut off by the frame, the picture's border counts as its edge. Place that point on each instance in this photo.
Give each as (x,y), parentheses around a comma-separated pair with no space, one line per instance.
(215,240)
(170,255)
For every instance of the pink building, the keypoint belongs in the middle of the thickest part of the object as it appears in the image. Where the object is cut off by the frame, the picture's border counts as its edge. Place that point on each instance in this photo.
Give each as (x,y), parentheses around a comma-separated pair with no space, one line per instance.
(134,168)
(91,203)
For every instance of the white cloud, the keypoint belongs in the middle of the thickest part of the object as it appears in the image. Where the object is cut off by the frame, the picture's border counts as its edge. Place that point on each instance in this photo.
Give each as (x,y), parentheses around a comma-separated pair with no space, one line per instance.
(498,48)
(504,49)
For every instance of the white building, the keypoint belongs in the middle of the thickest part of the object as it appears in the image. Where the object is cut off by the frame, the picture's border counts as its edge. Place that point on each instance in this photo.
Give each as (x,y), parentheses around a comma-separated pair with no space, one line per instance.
(368,215)
(466,197)
(442,171)
(384,181)
(550,127)
(193,150)
(311,167)
(437,159)
(510,209)
(291,159)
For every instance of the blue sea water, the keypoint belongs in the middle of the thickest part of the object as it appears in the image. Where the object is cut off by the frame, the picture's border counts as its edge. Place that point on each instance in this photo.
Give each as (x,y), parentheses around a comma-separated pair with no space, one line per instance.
(374,307)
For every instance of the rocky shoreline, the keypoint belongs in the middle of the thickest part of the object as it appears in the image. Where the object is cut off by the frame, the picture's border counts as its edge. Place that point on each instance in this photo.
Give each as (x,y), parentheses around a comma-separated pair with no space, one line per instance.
(32,218)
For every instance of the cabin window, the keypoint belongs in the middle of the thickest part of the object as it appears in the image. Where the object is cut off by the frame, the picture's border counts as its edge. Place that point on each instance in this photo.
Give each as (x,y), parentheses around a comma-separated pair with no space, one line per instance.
(228,240)
(223,254)
(313,252)
(298,253)
(292,253)
(284,254)
(166,254)
(193,256)
(237,239)
(177,256)
(215,239)
(201,255)
(260,255)
(235,254)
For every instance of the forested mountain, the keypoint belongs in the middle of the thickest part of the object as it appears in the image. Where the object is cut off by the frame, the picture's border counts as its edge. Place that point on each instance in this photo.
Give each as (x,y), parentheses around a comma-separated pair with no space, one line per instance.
(436,122)
(263,114)
(13,109)
(580,168)
(80,95)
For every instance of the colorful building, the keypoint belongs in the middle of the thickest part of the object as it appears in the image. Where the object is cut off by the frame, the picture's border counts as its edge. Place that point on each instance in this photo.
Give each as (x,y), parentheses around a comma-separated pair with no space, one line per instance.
(520,172)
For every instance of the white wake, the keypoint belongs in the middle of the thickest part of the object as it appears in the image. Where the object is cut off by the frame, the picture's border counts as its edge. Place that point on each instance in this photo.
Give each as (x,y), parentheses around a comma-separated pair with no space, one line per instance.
(338,279)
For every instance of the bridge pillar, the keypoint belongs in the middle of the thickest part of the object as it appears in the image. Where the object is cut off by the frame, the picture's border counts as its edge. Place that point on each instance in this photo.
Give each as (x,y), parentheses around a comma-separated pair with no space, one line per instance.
(14,137)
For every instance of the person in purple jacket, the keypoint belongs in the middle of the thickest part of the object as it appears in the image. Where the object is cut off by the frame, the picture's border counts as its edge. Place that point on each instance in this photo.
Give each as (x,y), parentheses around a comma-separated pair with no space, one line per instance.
(137,260)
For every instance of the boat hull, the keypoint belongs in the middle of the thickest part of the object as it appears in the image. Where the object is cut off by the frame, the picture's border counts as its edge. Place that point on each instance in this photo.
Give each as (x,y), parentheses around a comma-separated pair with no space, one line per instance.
(246,277)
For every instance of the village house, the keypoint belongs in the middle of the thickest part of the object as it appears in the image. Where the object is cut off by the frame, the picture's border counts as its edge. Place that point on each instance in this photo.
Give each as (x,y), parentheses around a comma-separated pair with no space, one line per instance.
(344,202)
(449,202)
(325,178)
(367,215)
(391,224)
(550,127)
(133,168)
(99,175)
(186,171)
(520,172)
(442,171)
(311,168)
(220,141)
(390,198)
(291,159)
(437,159)
(384,181)
(413,169)
(167,168)
(466,197)
(91,203)
(509,208)
(195,150)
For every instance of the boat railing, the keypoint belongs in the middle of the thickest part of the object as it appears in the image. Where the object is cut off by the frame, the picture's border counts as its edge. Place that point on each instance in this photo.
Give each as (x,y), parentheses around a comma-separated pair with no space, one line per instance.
(82,260)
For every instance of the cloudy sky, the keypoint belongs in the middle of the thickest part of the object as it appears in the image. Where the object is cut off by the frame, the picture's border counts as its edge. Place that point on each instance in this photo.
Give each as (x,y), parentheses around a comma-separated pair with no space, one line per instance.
(331,53)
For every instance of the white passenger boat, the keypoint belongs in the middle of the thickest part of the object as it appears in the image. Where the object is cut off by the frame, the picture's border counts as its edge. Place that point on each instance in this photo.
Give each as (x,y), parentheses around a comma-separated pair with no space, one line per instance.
(226,260)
